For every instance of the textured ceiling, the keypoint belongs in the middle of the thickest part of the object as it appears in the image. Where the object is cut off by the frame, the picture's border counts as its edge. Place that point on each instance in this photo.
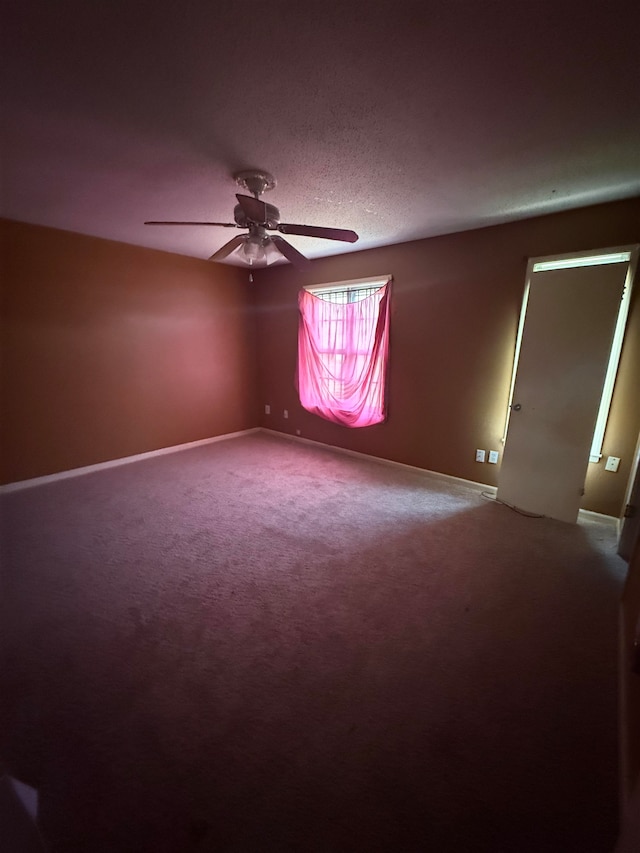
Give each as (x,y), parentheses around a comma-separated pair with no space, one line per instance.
(399,120)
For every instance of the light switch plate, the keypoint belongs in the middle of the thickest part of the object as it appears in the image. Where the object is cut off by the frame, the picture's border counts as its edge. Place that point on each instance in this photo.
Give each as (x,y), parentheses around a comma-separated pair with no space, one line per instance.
(480,455)
(493,456)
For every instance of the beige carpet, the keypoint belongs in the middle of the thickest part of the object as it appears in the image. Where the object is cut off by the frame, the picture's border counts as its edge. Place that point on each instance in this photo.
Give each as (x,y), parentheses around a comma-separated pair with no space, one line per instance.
(258,645)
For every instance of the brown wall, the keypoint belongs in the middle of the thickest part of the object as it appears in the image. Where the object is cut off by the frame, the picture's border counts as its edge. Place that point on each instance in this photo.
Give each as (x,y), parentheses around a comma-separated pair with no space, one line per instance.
(110,350)
(455,308)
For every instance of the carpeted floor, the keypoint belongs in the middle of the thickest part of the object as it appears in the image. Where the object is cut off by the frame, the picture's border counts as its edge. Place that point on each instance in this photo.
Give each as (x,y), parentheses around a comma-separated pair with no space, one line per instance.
(258,645)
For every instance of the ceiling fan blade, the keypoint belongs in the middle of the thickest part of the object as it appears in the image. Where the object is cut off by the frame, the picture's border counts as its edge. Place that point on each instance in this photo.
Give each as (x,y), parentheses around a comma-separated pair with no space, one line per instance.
(291,254)
(317,231)
(219,224)
(229,247)
(253,208)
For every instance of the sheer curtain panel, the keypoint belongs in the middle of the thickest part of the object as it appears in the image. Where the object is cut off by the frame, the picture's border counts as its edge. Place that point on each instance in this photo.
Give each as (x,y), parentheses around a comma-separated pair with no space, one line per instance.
(343,351)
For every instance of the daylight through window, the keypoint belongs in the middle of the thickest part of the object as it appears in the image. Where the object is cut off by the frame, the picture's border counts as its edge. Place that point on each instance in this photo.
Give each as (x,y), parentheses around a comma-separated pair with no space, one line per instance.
(343,346)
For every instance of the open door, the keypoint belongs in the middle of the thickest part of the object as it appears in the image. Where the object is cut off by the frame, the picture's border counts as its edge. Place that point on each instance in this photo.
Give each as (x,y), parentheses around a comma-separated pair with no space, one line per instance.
(567,334)
(630,532)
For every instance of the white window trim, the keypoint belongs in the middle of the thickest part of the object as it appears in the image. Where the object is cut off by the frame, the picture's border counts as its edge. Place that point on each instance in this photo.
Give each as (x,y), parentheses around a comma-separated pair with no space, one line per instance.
(353,284)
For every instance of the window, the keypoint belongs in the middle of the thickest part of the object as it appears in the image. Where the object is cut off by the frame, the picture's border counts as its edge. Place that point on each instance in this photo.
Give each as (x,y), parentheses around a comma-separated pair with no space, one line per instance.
(343,345)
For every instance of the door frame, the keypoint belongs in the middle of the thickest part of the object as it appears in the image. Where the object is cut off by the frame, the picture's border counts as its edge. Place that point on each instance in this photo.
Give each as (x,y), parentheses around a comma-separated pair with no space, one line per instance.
(566,260)
(629,528)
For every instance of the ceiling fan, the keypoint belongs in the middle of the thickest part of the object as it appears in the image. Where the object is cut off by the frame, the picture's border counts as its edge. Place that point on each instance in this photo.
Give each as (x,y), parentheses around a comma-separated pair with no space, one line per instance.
(259,217)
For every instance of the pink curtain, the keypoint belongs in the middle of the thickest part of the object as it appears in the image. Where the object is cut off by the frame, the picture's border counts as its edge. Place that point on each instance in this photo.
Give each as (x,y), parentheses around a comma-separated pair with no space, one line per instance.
(342,358)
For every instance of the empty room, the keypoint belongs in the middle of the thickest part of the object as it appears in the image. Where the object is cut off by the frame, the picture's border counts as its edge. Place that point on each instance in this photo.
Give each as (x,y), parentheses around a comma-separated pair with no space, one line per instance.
(320,428)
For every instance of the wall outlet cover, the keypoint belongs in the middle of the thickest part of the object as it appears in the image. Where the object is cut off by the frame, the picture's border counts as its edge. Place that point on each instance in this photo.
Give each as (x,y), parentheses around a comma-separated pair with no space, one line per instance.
(286,413)
(612,463)
(267,409)
(493,456)
(480,455)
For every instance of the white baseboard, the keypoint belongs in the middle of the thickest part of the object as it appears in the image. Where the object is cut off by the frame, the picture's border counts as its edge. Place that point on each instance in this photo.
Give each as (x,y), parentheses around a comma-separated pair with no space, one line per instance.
(490,491)
(436,475)
(114,463)
(589,515)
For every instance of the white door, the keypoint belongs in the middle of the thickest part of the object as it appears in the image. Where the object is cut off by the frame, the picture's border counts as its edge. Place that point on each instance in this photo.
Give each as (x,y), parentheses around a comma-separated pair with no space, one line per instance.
(568,330)
(630,533)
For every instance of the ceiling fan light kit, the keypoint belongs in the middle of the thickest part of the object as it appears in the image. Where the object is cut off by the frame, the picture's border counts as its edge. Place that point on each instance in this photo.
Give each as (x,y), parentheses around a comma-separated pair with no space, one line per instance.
(259,217)
(254,247)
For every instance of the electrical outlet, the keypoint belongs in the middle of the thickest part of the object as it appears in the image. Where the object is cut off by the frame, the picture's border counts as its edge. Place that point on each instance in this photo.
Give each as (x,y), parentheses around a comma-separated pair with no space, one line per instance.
(480,455)
(297,432)
(493,456)
(612,463)
(267,409)
(286,413)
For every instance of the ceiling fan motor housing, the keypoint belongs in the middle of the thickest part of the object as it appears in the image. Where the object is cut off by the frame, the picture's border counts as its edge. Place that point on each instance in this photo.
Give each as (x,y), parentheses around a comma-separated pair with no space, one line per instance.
(271,216)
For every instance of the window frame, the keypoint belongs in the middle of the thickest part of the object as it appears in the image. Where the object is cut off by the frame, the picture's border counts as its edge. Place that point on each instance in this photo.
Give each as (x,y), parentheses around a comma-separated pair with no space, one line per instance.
(353,288)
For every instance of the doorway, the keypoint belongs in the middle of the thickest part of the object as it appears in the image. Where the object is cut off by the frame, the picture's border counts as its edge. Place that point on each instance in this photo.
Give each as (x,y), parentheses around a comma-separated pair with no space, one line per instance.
(630,531)
(569,340)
